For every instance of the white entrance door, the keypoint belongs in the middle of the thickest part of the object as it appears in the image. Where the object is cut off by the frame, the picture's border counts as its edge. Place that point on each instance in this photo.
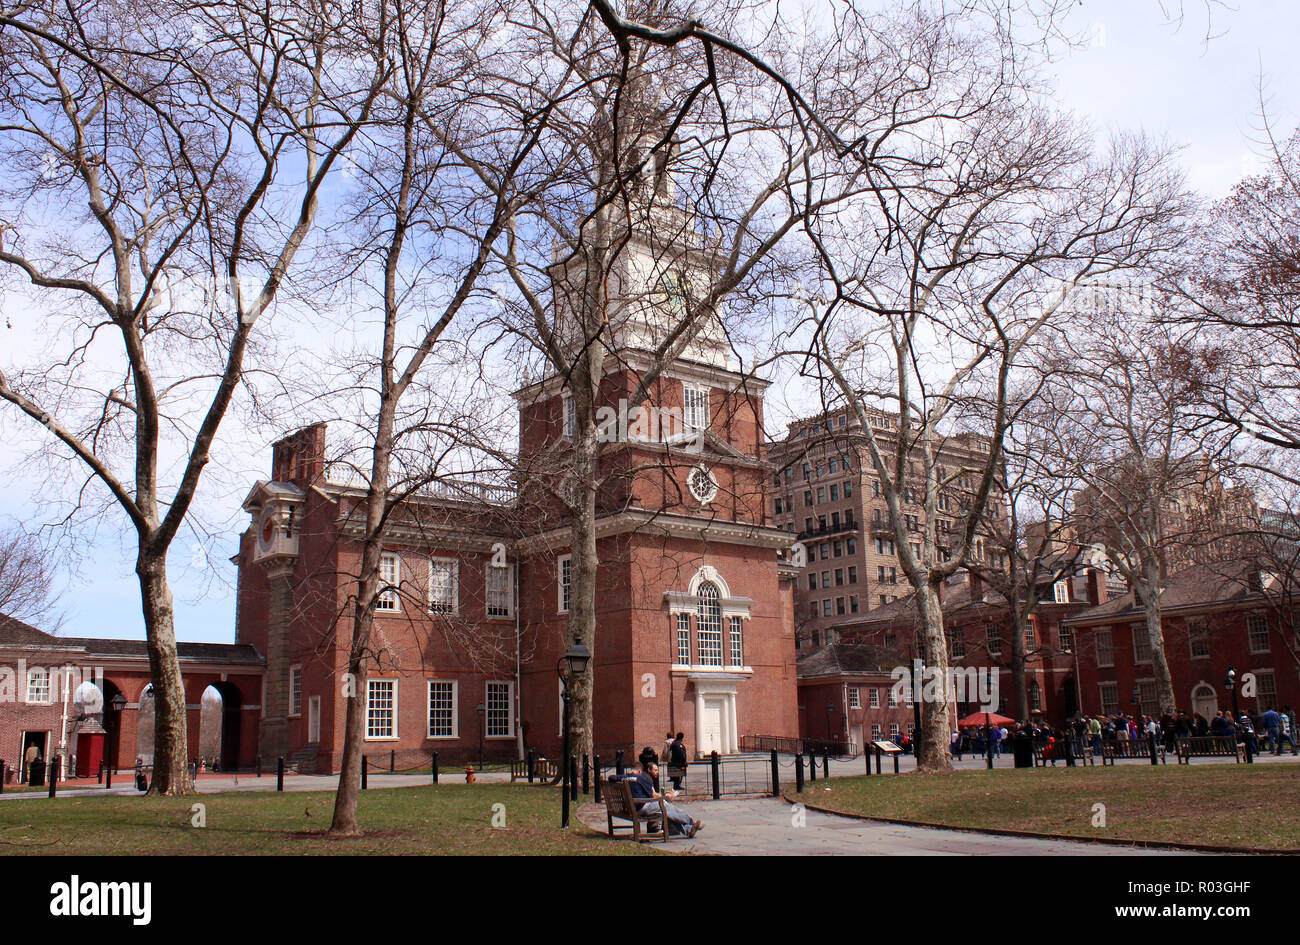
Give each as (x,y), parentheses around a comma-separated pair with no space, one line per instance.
(711,727)
(1205,701)
(313,719)
(855,736)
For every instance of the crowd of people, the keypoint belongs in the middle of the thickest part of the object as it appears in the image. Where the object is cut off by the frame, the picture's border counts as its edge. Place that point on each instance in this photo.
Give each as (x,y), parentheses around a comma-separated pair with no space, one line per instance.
(1269,730)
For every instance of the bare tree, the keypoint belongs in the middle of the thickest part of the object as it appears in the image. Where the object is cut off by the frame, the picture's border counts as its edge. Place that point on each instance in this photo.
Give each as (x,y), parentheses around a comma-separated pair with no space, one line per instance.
(27,571)
(1126,393)
(167,161)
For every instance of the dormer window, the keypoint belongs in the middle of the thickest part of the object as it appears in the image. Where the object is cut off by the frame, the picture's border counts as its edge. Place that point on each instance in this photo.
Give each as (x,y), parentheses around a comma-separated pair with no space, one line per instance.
(1061,590)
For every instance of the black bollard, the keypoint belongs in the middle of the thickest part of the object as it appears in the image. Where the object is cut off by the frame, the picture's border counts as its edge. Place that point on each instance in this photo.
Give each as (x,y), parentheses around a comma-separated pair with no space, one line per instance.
(53,775)
(798,772)
(618,762)
(826,764)
(1151,744)
(895,755)
(433,763)
(1250,748)
(532,762)
(392,760)
(108,777)
(99,775)
(776,775)
(812,767)
(595,770)
(259,766)
(716,770)
(877,761)
(364,766)
(279,773)
(573,778)
(586,775)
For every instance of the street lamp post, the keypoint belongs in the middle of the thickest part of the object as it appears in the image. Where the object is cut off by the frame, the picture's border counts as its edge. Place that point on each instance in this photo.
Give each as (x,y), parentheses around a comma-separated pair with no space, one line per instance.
(1231,685)
(482,711)
(572,663)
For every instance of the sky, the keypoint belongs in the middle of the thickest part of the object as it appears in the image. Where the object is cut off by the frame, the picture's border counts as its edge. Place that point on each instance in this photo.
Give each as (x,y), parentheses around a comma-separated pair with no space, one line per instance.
(1137,71)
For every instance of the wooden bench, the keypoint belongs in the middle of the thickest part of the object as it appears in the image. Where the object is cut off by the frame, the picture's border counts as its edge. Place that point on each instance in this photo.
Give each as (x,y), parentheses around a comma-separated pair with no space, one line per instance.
(620,805)
(1082,753)
(1130,748)
(1208,746)
(545,772)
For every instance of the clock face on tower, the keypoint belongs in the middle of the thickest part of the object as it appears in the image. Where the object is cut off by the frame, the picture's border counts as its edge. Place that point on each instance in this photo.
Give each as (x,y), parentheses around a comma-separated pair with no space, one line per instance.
(703,486)
(268,528)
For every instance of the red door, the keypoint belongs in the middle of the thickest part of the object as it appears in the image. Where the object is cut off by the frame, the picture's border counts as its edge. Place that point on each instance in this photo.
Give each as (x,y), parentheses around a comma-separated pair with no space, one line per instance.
(90,752)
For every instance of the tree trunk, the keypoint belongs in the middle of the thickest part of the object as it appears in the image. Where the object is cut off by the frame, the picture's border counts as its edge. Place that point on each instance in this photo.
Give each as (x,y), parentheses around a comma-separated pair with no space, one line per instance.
(171,774)
(354,692)
(1019,661)
(582,596)
(935,749)
(1155,633)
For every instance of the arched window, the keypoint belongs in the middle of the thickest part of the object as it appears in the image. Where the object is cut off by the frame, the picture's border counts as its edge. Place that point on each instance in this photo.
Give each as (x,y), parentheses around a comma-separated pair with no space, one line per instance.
(708,633)
(1035,697)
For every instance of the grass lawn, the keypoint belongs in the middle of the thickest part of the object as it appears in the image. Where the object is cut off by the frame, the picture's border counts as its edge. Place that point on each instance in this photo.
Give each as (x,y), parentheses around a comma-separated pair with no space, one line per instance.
(1223,805)
(447,819)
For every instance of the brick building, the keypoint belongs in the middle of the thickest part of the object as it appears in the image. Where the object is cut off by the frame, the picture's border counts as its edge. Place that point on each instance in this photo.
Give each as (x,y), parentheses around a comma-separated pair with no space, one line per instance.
(1230,615)
(826,493)
(694,606)
(977,622)
(42,677)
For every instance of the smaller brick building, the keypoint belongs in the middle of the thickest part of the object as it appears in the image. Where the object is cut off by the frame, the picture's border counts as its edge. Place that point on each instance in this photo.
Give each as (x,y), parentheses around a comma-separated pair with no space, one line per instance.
(1213,617)
(846,694)
(42,675)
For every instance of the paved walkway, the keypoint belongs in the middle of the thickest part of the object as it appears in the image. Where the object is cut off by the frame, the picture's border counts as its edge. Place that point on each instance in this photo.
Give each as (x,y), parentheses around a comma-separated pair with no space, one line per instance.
(770,827)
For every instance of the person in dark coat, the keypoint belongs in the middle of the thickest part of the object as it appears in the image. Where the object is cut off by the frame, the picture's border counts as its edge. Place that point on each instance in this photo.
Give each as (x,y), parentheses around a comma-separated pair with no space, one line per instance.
(677,760)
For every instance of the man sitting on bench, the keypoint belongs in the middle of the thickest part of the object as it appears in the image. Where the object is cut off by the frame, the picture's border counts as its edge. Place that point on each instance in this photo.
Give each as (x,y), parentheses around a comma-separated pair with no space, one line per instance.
(680,823)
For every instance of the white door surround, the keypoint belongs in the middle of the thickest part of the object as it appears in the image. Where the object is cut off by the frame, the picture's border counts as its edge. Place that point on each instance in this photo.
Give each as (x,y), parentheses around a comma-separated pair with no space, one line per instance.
(716,723)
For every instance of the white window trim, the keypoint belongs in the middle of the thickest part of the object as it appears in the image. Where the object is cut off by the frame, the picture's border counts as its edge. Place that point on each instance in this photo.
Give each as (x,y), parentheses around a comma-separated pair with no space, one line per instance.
(49,687)
(510,592)
(689,421)
(1250,634)
(568,417)
(394,584)
(455,711)
(560,608)
(510,703)
(396,716)
(1061,591)
(1110,646)
(295,672)
(455,587)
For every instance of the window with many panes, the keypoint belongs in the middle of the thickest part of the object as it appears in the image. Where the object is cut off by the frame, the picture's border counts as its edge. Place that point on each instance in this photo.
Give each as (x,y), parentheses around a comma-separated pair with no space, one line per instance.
(957,638)
(295,690)
(1265,690)
(390,578)
(1198,639)
(38,685)
(381,708)
(564,575)
(443,573)
(1105,648)
(737,642)
(500,705)
(994,637)
(695,413)
(500,591)
(1141,645)
(1257,633)
(855,698)
(1109,695)
(684,639)
(442,708)
(708,625)
(875,730)
(873,698)
(1148,699)
(1066,638)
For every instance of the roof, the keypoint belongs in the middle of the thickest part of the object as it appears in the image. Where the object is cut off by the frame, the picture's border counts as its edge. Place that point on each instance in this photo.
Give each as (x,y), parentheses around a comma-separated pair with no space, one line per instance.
(15,633)
(835,659)
(1196,587)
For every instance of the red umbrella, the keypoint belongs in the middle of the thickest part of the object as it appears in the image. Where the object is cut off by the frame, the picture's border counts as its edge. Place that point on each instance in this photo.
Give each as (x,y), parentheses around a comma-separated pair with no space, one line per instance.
(980,719)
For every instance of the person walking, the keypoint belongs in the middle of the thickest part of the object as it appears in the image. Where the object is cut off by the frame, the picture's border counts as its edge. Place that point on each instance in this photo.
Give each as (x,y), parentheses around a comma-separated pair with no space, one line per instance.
(1272,723)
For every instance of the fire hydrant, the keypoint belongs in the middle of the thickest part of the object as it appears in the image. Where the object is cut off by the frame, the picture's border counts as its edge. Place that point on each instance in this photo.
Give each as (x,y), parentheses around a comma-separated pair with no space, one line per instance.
(469,774)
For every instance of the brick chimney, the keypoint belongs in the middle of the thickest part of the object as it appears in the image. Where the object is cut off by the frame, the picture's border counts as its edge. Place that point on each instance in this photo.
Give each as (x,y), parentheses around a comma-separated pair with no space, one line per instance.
(300,457)
(1096,587)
